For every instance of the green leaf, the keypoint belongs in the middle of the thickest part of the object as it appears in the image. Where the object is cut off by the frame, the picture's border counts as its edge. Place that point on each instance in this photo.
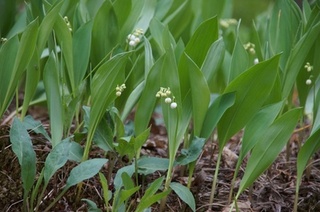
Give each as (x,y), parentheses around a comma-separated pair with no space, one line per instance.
(200,95)
(103,89)
(257,126)
(297,58)
(239,60)
(76,152)
(85,170)
(201,40)
(35,126)
(213,60)
(46,25)
(22,147)
(92,206)
(118,180)
(21,53)
(283,35)
(192,153)
(267,149)
(147,102)
(32,80)
(311,146)
(141,139)
(56,159)
(149,198)
(104,32)
(127,181)
(149,165)
(52,87)
(107,194)
(81,51)
(252,87)
(215,112)
(184,194)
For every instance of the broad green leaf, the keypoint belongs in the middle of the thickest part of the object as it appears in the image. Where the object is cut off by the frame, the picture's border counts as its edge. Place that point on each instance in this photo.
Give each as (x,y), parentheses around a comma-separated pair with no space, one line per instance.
(107,194)
(132,100)
(180,10)
(24,54)
(32,80)
(8,54)
(23,149)
(81,51)
(251,87)
(52,87)
(149,165)
(143,206)
(127,181)
(197,49)
(125,146)
(148,98)
(239,60)
(85,170)
(92,206)
(56,159)
(46,25)
(35,126)
(64,38)
(103,91)
(283,35)
(192,153)
(123,196)
(215,112)
(201,40)
(184,194)
(149,198)
(257,126)
(213,60)
(76,152)
(267,149)
(104,32)
(297,58)
(141,139)
(311,146)
(200,95)
(118,180)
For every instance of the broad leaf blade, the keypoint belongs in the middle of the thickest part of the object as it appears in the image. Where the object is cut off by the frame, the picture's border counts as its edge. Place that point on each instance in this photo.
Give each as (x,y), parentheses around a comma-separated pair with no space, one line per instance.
(56,159)
(252,87)
(184,194)
(22,147)
(85,170)
(268,148)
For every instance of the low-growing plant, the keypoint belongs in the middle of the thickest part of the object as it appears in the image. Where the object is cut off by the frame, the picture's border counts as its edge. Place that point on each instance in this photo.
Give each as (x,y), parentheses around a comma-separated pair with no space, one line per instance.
(93,63)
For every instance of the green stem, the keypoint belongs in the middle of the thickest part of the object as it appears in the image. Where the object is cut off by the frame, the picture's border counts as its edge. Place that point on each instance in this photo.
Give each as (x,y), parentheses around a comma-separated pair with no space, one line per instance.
(215,179)
(56,199)
(35,191)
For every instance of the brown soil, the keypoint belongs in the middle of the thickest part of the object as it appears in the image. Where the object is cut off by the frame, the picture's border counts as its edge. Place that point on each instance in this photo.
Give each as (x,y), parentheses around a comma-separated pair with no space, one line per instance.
(273,191)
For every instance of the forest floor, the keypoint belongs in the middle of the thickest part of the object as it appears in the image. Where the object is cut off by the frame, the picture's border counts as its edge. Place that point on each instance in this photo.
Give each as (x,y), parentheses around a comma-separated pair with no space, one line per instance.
(272,191)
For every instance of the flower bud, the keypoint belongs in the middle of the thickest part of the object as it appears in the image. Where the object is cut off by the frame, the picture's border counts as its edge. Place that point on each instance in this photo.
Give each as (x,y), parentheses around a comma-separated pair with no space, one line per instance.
(173,105)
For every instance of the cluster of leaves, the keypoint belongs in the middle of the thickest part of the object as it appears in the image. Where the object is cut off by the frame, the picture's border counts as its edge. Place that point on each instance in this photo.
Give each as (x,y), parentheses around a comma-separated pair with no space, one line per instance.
(77,58)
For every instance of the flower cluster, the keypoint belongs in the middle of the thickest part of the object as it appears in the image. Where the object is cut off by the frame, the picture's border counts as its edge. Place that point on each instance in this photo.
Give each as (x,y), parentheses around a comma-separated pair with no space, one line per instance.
(120,89)
(3,40)
(250,47)
(225,23)
(65,18)
(169,98)
(309,68)
(135,38)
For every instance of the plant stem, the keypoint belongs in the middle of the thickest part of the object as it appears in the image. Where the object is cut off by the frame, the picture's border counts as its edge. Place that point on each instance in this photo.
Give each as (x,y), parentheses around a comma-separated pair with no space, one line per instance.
(56,199)
(215,179)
